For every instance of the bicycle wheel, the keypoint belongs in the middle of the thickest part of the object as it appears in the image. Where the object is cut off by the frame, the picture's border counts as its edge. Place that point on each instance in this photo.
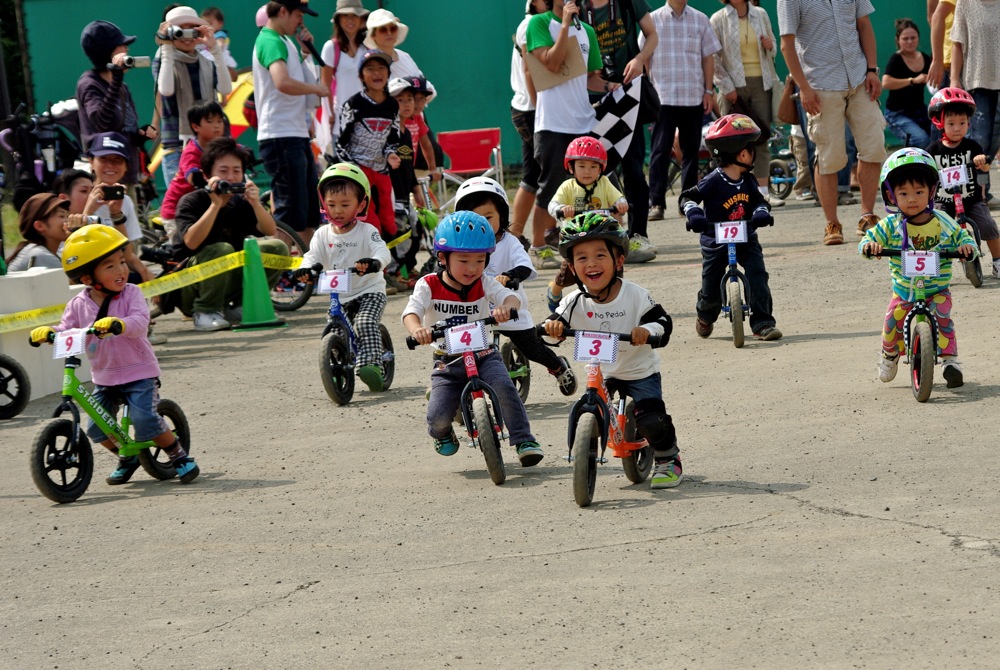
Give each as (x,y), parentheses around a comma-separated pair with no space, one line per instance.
(922,362)
(335,367)
(780,169)
(488,441)
(155,460)
(639,462)
(15,387)
(61,467)
(585,459)
(388,358)
(518,368)
(974,268)
(736,312)
(289,294)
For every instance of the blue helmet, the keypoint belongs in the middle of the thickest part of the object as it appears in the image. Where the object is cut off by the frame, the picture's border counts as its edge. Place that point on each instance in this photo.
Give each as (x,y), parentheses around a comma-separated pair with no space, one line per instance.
(464,231)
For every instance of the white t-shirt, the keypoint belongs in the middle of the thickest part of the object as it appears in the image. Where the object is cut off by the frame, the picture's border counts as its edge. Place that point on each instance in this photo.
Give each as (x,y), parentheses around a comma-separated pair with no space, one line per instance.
(132,229)
(433,301)
(341,252)
(566,108)
(508,255)
(620,315)
(348,81)
(521,100)
(278,114)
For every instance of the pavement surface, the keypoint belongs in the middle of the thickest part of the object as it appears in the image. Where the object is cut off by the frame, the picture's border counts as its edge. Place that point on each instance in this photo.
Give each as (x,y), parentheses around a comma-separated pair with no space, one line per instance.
(826,520)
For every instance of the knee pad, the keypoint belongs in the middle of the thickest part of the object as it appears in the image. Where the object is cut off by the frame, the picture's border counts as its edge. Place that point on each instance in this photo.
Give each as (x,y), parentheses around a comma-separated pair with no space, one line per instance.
(654,424)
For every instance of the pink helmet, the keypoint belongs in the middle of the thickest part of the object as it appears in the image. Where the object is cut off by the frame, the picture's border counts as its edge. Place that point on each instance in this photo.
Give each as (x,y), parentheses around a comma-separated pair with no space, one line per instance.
(949,98)
(262,16)
(585,148)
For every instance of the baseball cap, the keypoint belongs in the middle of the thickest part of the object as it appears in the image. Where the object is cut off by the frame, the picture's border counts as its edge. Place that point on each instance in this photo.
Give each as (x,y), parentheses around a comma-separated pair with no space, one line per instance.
(109,144)
(99,39)
(292,5)
(374,54)
(38,208)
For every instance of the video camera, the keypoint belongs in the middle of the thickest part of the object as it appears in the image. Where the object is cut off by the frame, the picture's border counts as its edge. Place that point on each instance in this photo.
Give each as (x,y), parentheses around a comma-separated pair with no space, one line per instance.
(178,33)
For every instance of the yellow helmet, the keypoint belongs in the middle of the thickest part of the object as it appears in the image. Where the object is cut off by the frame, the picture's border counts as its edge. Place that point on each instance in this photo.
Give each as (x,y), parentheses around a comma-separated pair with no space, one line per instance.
(87,246)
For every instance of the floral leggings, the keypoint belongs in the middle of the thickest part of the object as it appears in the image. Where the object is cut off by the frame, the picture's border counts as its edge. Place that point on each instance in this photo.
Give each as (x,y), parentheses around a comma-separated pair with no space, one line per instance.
(895,317)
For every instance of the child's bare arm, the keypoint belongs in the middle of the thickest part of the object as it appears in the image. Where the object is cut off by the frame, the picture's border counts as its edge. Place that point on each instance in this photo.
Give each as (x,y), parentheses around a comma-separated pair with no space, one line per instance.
(980,162)
(415,327)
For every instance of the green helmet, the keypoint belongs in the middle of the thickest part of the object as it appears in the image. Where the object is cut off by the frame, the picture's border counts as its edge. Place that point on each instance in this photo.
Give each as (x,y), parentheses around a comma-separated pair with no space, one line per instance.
(908,160)
(347,171)
(591,226)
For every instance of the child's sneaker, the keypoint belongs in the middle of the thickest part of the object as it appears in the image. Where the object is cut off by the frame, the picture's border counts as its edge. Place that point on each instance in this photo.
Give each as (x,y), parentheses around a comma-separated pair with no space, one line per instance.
(447,446)
(667,473)
(887,367)
(565,377)
(544,258)
(126,468)
(529,453)
(371,375)
(186,469)
(996,269)
(702,327)
(768,334)
(951,369)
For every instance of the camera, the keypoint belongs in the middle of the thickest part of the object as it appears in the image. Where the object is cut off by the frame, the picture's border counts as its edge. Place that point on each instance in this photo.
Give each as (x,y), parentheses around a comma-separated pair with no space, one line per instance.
(113,192)
(608,70)
(93,218)
(230,187)
(178,33)
(137,61)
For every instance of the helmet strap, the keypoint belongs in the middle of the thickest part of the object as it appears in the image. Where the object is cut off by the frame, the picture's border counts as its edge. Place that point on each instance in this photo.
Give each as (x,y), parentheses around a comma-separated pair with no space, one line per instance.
(753,152)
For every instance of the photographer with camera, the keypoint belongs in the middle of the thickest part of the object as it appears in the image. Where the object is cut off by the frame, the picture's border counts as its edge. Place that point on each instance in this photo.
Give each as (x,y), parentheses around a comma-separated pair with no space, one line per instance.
(213,222)
(184,77)
(103,97)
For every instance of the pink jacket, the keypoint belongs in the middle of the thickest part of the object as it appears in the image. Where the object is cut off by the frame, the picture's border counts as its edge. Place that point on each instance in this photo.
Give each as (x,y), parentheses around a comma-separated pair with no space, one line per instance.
(116,359)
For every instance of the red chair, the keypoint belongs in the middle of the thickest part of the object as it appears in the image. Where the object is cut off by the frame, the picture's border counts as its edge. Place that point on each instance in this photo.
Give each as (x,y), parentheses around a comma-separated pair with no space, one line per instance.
(472,153)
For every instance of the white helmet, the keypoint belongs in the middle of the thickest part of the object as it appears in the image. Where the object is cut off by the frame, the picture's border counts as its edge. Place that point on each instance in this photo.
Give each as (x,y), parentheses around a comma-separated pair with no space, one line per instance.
(487,186)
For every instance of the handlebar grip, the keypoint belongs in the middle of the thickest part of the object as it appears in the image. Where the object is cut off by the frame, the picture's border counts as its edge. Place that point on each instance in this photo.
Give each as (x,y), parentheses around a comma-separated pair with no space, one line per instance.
(116,328)
(513,284)
(411,343)
(896,253)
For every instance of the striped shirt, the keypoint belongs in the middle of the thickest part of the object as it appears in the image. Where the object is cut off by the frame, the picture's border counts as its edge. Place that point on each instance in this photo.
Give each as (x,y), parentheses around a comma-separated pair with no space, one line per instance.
(826,40)
(675,68)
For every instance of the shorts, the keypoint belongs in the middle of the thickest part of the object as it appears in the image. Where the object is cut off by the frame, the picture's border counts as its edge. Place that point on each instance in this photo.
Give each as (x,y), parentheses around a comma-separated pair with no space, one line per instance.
(826,129)
(987,225)
(550,149)
(524,123)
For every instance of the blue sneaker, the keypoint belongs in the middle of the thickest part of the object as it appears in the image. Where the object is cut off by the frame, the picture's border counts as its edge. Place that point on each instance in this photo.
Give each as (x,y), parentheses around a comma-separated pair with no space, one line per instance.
(126,468)
(447,446)
(186,469)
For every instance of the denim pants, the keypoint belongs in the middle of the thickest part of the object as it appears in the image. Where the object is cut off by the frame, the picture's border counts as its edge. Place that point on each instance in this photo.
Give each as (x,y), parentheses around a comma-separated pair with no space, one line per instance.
(168,165)
(290,164)
(983,127)
(142,397)
(713,267)
(913,130)
(647,388)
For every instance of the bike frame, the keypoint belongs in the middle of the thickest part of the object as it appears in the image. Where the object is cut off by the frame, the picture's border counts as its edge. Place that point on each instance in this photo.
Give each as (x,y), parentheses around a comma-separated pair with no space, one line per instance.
(596,400)
(477,388)
(733,274)
(338,319)
(920,312)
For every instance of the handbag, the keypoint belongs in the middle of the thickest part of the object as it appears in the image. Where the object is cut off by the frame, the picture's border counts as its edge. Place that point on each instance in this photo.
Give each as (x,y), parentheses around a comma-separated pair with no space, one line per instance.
(788,111)
(777,92)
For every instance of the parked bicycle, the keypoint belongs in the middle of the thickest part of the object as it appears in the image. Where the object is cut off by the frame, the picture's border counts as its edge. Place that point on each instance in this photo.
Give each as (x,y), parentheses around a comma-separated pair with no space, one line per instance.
(15,387)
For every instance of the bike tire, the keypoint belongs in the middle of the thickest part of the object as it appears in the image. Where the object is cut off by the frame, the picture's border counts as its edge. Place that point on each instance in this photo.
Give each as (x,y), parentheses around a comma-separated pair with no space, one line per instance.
(585,459)
(15,388)
(638,463)
(779,168)
(922,362)
(489,443)
(155,460)
(736,312)
(288,294)
(336,369)
(515,362)
(388,358)
(55,453)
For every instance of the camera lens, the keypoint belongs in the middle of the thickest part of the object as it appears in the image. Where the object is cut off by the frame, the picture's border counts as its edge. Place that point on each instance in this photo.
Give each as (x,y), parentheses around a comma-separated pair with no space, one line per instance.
(93,218)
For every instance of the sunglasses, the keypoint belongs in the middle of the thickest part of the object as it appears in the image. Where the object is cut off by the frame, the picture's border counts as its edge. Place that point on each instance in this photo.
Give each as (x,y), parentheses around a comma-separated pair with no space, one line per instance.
(391,28)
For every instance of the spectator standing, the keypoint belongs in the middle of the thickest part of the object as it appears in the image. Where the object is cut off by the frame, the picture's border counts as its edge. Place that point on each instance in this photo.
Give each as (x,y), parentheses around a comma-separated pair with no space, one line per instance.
(744,68)
(285,94)
(682,71)
(942,17)
(341,54)
(975,66)
(104,99)
(618,24)
(185,77)
(904,78)
(830,51)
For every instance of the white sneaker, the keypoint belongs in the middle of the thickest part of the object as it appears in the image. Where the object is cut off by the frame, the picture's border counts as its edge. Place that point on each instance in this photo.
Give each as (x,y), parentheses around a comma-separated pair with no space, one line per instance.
(774,201)
(996,269)
(640,250)
(887,367)
(544,257)
(805,195)
(210,322)
(951,370)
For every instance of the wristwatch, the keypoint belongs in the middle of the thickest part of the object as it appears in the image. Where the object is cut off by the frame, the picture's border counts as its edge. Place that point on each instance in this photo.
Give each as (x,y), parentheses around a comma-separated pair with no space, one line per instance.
(874,70)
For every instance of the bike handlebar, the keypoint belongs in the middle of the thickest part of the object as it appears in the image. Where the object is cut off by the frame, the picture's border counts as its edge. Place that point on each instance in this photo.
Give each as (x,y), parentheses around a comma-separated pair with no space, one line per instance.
(653,341)
(438,329)
(896,253)
(116,329)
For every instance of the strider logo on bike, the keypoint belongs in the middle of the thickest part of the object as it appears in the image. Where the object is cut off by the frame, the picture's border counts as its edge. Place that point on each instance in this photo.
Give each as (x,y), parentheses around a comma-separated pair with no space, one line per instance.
(116,431)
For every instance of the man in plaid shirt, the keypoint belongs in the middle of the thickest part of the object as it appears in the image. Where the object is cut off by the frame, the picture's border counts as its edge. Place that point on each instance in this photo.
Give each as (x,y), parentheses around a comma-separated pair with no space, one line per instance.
(681,69)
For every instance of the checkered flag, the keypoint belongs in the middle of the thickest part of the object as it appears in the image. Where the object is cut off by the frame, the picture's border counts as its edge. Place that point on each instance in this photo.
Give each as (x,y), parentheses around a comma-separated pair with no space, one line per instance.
(617,113)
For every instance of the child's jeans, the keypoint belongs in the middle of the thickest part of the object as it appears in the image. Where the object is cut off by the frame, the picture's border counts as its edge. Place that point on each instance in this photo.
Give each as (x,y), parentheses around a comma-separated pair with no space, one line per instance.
(447,383)
(142,396)
(895,316)
(381,210)
(713,267)
(651,417)
(370,307)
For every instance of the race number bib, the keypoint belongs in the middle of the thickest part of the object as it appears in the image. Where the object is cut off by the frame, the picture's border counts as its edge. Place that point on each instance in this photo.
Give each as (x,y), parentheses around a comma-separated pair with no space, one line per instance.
(467,337)
(69,343)
(334,281)
(602,347)
(954,176)
(921,264)
(731,231)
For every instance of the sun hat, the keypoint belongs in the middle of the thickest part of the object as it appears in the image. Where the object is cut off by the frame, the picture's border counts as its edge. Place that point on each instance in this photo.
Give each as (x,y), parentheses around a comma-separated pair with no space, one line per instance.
(38,208)
(350,7)
(383,17)
(181,16)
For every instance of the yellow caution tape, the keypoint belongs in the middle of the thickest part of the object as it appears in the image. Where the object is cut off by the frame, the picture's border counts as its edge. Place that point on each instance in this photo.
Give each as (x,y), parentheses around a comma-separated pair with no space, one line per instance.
(31,318)
(402,238)
(276,262)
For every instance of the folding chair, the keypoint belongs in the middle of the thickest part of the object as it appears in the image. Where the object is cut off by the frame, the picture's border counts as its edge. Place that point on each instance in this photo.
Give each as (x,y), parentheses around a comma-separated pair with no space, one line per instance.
(473,153)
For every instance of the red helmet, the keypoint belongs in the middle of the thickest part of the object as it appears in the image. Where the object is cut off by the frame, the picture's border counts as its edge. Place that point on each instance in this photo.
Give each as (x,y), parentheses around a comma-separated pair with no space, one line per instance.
(731,134)
(949,99)
(588,149)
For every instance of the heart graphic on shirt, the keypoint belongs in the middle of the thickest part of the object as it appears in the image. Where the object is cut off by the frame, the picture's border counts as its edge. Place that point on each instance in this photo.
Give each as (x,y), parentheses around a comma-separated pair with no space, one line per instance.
(331,245)
(590,315)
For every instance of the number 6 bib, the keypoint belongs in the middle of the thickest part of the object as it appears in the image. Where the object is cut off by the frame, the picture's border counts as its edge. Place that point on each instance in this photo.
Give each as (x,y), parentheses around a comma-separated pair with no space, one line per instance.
(601,347)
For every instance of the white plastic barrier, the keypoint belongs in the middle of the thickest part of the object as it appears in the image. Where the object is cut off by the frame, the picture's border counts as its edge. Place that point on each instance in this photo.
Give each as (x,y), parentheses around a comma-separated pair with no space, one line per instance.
(32,289)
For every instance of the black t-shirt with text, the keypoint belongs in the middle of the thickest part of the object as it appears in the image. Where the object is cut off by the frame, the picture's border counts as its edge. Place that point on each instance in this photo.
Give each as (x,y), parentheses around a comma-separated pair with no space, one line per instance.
(234,222)
(947,157)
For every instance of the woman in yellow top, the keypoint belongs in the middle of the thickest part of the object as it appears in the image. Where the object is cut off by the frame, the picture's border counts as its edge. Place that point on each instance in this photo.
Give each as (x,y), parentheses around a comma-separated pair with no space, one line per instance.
(744,68)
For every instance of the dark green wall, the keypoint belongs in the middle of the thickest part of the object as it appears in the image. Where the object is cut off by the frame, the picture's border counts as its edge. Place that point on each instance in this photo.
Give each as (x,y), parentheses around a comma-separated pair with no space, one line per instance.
(463,46)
